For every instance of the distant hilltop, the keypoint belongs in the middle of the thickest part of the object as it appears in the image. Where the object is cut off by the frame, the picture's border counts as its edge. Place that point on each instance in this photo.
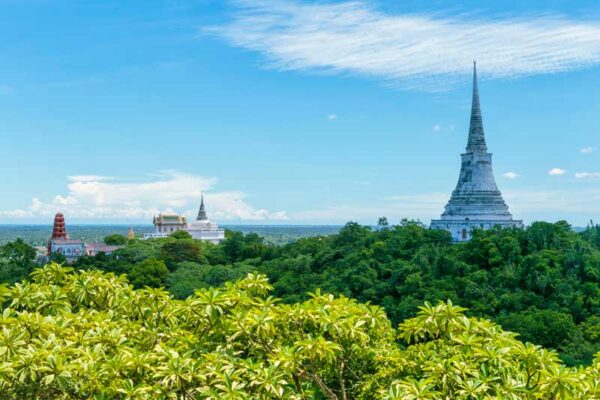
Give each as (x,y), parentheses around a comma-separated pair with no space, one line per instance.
(201,228)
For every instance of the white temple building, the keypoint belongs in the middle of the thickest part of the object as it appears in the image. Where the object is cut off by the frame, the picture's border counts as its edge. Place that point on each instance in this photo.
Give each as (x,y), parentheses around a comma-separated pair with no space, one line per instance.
(165,224)
(202,228)
(476,203)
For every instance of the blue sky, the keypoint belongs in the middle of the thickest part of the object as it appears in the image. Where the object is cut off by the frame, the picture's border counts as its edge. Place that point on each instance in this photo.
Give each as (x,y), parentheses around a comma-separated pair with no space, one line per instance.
(293,112)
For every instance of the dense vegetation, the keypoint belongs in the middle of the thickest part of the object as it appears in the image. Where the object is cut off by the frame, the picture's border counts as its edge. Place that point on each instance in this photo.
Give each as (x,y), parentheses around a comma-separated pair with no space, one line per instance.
(89,335)
(542,282)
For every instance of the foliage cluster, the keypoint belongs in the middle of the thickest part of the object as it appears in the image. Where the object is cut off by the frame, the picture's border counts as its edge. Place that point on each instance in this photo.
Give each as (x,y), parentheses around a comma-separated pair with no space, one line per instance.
(542,282)
(90,335)
(17,261)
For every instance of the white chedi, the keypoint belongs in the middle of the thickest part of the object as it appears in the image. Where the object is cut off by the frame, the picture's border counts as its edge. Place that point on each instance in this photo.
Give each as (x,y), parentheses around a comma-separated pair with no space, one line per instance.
(476,203)
(203,229)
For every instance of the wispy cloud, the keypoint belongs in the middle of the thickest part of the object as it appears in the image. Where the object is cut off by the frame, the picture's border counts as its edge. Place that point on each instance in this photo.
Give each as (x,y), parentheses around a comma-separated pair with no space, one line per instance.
(332,117)
(95,197)
(557,172)
(88,178)
(587,150)
(534,204)
(511,175)
(411,50)
(587,175)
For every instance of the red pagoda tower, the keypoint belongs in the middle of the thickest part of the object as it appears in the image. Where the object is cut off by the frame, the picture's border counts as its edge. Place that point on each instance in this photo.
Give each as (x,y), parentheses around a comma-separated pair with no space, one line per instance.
(59,231)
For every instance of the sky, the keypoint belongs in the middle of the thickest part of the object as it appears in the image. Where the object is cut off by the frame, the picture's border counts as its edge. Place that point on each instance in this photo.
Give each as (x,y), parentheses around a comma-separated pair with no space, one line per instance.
(293,112)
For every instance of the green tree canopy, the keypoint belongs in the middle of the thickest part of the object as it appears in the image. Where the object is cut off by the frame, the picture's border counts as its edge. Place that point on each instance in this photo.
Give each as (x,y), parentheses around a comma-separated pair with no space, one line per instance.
(151,273)
(16,261)
(189,276)
(88,334)
(543,277)
(115,240)
(180,235)
(180,250)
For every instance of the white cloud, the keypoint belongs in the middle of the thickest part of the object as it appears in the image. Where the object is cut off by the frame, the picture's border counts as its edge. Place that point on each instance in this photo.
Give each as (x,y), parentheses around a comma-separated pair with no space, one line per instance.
(332,117)
(554,203)
(436,127)
(93,197)
(511,175)
(587,150)
(556,171)
(68,200)
(232,205)
(587,175)
(88,178)
(425,51)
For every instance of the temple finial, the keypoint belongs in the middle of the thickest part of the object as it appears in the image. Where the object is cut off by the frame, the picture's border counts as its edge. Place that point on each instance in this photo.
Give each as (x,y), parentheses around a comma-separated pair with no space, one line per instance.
(131,234)
(202,212)
(476,143)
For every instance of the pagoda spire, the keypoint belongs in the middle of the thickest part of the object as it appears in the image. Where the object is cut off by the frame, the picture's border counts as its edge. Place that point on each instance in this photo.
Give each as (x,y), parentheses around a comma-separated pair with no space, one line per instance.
(202,212)
(476,143)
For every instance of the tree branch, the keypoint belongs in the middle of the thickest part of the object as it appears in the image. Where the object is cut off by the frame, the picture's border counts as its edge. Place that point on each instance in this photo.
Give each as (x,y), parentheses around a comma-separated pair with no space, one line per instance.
(330,394)
(341,378)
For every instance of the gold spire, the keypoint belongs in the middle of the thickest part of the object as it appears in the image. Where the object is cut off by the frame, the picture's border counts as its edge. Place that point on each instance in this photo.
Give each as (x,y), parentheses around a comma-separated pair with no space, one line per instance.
(131,234)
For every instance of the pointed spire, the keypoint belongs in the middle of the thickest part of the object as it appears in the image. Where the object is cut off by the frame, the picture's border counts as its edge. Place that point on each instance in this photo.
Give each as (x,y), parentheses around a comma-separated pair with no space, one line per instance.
(476,142)
(131,234)
(202,212)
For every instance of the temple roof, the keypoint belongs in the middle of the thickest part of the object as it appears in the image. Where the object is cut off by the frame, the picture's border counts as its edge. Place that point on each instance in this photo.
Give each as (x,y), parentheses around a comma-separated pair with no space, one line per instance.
(169,219)
(476,143)
(67,241)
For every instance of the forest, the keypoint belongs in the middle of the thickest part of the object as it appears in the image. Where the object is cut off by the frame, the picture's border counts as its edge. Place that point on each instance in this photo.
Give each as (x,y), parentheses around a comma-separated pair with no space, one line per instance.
(542,283)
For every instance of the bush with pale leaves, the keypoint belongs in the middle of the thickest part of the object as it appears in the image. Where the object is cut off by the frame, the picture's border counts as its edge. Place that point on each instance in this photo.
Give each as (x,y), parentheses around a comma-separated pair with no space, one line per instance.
(90,335)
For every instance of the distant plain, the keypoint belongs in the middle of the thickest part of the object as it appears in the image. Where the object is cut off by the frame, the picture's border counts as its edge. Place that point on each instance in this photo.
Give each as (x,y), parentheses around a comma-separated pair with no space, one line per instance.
(37,235)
